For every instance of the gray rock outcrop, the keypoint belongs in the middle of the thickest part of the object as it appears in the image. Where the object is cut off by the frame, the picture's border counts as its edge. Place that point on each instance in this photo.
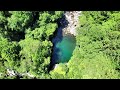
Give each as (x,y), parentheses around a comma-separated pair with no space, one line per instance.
(73,21)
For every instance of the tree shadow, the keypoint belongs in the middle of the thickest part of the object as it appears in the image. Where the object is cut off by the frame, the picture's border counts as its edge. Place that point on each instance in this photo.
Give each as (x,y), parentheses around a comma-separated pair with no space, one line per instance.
(16,35)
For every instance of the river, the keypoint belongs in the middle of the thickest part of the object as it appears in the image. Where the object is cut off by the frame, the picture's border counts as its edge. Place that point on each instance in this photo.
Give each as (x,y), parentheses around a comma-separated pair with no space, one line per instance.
(64,41)
(63,47)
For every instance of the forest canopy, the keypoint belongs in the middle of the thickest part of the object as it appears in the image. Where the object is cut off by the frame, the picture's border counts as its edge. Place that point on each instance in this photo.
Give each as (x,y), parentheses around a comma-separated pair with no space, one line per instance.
(97,51)
(26,46)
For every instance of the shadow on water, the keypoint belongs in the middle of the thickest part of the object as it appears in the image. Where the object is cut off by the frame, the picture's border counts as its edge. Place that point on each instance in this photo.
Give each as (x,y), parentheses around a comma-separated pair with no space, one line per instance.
(62,23)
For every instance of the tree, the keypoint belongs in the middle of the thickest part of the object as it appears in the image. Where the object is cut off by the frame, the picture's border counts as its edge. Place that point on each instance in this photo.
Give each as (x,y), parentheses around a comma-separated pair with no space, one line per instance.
(60,71)
(25,42)
(98,54)
(34,56)
(10,55)
(19,19)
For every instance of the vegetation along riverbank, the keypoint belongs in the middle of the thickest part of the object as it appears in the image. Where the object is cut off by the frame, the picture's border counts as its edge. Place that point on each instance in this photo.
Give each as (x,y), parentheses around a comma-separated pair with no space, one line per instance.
(59,44)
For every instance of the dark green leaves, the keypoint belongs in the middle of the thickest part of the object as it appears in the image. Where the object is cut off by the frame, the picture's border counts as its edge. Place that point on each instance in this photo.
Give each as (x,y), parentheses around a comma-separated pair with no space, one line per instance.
(25,45)
(98,55)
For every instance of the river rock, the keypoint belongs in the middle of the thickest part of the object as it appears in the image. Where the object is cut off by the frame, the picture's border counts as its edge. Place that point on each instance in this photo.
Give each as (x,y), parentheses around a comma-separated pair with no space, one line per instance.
(73,22)
(11,72)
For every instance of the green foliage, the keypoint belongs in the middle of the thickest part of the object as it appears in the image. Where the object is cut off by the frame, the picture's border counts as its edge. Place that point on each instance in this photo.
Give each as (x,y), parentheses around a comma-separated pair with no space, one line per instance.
(97,67)
(2,69)
(2,18)
(19,19)
(49,16)
(60,71)
(42,32)
(98,55)
(25,45)
(34,60)
(9,54)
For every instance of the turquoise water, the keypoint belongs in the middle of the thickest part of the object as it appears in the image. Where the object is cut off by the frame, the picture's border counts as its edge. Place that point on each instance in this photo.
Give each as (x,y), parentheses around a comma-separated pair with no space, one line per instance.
(66,47)
(63,48)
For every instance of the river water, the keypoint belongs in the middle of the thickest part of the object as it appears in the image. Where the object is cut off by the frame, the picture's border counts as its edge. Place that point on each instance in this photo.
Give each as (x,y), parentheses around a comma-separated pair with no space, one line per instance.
(63,48)
(63,44)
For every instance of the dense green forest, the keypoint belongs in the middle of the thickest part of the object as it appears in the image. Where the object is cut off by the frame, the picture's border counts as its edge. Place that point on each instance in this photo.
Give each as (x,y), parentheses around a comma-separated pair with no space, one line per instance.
(97,51)
(26,47)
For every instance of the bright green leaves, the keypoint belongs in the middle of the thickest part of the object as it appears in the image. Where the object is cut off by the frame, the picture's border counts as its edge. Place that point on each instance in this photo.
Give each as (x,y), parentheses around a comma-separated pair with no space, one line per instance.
(35,56)
(42,32)
(58,14)
(18,20)
(44,18)
(28,53)
(51,29)
(47,25)
(36,48)
(60,71)
(10,54)
(49,17)
(97,53)
(96,67)
(25,44)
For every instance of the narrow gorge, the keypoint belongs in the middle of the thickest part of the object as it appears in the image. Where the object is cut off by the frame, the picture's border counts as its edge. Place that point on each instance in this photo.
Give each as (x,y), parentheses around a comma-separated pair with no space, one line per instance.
(64,41)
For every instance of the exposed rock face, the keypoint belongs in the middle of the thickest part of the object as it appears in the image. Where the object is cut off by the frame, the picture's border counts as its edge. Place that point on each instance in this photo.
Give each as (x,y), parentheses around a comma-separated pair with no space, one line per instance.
(72,18)
(68,24)
(13,73)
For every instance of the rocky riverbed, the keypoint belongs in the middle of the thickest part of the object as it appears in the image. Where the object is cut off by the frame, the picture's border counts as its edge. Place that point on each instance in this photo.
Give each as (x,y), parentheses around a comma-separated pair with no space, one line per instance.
(72,20)
(64,41)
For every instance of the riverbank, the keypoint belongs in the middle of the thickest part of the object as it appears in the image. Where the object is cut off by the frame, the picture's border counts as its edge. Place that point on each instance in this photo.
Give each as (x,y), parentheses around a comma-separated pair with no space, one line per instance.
(72,17)
(64,38)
